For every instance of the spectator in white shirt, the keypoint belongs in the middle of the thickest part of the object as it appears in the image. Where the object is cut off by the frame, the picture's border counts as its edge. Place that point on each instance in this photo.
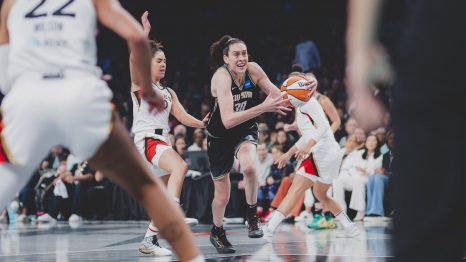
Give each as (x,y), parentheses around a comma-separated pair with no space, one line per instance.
(198,137)
(354,175)
(263,163)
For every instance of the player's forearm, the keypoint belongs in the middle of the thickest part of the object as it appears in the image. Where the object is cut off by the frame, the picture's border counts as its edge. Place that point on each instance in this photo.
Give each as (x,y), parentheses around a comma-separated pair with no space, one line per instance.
(188,120)
(141,61)
(362,21)
(134,79)
(292,151)
(335,125)
(236,118)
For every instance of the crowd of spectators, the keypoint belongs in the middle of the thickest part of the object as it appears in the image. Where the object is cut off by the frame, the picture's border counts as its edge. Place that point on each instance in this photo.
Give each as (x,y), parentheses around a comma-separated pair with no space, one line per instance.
(63,189)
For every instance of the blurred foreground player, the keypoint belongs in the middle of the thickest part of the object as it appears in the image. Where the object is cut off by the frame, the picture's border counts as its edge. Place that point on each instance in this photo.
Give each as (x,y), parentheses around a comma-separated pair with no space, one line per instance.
(54,95)
(429,120)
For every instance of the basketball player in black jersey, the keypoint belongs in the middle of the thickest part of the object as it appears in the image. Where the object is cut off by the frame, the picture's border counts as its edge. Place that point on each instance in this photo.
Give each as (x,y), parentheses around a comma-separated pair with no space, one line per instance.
(232,129)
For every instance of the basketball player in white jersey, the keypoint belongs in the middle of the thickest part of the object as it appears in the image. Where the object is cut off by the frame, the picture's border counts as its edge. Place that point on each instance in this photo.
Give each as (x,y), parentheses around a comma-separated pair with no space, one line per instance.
(54,95)
(321,158)
(151,136)
(322,218)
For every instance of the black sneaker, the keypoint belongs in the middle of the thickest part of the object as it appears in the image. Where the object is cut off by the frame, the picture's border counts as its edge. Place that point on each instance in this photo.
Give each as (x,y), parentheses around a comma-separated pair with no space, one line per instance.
(218,238)
(254,227)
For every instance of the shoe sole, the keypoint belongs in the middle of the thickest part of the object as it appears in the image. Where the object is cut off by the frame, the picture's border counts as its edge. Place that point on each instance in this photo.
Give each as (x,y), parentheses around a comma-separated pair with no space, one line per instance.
(256,236)
(151,253)
(220,250)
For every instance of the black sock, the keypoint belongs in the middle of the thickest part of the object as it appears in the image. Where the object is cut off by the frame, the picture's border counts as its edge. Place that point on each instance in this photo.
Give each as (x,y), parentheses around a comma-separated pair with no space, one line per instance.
(318,211)
(328,214)
(252,211)
(216,229)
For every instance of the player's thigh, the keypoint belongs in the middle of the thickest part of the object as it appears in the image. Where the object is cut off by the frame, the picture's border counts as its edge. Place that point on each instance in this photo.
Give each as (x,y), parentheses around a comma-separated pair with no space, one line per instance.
(88,118)
(29,122)
(170,160)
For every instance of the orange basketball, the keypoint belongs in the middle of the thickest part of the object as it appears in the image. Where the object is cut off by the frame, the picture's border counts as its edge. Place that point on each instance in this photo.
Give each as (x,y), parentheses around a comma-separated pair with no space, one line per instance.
(296,91)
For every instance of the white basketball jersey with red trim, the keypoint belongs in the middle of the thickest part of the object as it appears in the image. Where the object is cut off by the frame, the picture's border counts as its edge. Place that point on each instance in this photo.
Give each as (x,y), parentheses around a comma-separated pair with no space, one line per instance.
(311,119)
(144,122)
(51,36)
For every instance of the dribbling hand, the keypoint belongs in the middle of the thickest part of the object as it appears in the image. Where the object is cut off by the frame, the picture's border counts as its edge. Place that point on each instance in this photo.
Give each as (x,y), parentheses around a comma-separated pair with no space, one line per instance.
(311,83)
(276,104)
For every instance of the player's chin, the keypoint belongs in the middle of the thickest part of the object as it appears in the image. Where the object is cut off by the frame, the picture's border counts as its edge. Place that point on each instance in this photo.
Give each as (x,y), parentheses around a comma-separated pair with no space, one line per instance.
(241,69)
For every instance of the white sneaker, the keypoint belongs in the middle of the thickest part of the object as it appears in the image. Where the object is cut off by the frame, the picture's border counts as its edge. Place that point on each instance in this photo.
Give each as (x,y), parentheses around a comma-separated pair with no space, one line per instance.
(191,221)
(359,216)
(150,246)
(268,234)
(22,218)
(302,216)
(75,219)
(348,232)
(46,218)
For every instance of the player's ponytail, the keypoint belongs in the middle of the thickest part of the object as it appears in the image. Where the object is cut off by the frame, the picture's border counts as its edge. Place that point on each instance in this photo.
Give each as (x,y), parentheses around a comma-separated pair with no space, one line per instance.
(220,48)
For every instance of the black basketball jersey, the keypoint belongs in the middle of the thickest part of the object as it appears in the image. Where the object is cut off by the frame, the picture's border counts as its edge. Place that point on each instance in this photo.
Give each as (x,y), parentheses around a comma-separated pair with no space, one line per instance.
(244,97)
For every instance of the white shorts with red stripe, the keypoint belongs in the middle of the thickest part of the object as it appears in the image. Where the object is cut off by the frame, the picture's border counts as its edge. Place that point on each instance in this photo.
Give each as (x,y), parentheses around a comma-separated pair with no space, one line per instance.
(323,164)
(151,148)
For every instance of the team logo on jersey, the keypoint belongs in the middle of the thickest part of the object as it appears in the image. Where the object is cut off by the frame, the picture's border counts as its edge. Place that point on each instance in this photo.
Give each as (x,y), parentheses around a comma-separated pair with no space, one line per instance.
(247,84)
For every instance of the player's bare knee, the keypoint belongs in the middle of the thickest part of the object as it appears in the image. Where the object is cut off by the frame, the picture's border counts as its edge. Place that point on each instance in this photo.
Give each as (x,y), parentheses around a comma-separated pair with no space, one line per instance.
(182,167)
(249,170)
(222,198)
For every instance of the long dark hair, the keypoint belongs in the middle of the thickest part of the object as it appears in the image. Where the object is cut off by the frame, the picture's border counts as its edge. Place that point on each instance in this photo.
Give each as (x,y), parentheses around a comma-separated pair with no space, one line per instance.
(220,48)
(377,148)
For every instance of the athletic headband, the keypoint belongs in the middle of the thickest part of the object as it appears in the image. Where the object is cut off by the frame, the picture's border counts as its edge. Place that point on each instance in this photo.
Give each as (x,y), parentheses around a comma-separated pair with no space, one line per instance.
(227,43)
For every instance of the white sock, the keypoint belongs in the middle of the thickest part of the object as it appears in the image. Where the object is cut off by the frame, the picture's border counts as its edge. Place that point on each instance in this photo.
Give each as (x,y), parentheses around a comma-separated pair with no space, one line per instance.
(151,231)
(277,218)
(344,219)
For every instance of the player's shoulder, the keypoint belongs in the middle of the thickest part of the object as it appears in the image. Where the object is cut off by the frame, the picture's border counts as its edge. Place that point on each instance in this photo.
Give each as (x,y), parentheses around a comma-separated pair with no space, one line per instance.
(170,91)
(221,71)
(221,75)
(254,67)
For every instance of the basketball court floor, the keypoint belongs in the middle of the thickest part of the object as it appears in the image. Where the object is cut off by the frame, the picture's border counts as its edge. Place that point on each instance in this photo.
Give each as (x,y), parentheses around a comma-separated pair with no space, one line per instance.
(118,241)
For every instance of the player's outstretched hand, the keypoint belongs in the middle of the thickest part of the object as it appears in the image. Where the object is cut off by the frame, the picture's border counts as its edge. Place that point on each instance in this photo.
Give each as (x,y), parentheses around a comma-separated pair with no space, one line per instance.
(282,160)
(145,23)
(276,104)
(205,120)
(301,154)
(154,100)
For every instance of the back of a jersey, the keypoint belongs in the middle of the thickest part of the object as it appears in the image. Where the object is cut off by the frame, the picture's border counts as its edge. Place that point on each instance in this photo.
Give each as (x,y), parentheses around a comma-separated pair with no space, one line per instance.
(51,36)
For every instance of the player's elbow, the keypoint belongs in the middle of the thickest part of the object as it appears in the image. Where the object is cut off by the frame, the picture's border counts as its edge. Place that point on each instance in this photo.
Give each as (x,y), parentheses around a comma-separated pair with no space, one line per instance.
(228,123)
